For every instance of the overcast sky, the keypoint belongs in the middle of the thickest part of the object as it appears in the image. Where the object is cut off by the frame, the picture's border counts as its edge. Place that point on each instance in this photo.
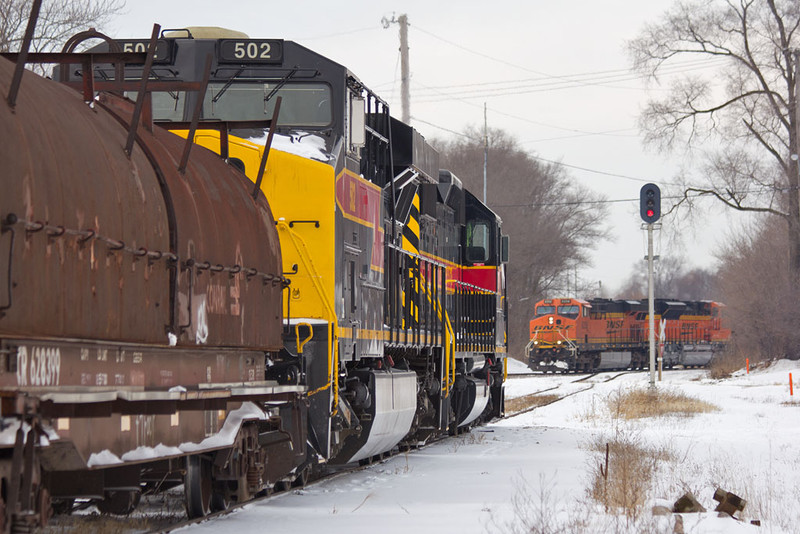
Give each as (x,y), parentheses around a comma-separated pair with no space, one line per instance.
(553,74)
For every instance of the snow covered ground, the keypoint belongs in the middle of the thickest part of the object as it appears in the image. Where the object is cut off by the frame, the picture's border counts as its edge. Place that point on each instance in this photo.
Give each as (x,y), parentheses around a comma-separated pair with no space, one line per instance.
(531,473)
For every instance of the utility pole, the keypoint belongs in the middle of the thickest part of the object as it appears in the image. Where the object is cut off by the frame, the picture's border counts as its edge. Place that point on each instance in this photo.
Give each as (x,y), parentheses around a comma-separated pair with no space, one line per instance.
(405,91)
(405,77)
(485,151)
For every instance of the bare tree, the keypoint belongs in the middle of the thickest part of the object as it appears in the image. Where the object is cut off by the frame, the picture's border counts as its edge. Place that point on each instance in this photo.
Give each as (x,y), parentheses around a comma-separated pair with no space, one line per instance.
(745,102)
(58,21)
(552,223)
(761,294)
(671,280)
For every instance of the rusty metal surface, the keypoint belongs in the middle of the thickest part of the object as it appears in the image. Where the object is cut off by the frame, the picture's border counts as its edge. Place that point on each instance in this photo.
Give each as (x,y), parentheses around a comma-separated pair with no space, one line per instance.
(111,273)
(220,230)
(63,165)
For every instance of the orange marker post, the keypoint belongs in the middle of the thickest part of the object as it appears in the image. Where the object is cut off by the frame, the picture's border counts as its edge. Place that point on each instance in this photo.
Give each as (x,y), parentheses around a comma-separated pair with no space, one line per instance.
(747,365)
(791,386)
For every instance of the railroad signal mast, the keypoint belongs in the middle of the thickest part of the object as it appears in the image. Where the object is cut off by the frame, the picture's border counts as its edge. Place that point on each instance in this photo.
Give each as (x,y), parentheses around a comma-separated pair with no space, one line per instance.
(650,211)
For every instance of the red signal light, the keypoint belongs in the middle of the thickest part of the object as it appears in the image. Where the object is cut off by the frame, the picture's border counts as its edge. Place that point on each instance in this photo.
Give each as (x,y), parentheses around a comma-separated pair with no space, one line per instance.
(650,213)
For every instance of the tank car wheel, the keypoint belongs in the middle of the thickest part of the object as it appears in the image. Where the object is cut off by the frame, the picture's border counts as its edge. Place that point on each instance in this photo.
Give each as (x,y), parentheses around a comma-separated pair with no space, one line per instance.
(45,507)
(119,502)
(198,487)
(3,508)
(220,498)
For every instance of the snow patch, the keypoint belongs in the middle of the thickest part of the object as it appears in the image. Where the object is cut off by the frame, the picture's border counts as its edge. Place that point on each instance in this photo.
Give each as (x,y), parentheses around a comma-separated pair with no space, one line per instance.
(303,144)
(226,435)
(102,458)
(149,453)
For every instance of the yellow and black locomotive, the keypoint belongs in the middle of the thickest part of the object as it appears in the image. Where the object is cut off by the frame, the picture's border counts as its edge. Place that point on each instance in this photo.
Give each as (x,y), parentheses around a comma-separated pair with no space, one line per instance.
(397,272)
(385,276)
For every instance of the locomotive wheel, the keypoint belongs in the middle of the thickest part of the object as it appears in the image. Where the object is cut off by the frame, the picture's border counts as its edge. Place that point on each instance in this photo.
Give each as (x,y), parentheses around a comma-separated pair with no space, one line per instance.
(198,487)
(119,502)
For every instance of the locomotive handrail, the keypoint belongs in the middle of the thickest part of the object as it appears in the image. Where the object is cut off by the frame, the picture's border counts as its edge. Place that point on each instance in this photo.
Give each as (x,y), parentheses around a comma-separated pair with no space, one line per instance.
(333,347)
(449,343)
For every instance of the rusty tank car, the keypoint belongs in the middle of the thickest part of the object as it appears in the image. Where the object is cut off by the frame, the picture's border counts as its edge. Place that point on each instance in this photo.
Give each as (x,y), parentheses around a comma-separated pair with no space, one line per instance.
(140,305)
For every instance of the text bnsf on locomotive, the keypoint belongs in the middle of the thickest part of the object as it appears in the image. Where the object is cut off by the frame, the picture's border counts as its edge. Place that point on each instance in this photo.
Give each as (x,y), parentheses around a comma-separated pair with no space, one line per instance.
(308,289)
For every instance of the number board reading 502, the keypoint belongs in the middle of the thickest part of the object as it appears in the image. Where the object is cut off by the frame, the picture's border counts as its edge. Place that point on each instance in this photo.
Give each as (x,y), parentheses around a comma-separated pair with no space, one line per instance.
(251,51)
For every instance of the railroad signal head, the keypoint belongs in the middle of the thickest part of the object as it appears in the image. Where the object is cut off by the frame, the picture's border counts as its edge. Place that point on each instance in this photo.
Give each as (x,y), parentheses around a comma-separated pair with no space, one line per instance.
(650,203)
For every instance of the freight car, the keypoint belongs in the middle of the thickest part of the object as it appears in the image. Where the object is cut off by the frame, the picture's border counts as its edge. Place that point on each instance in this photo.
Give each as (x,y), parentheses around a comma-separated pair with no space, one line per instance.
(165,320)
(570,334)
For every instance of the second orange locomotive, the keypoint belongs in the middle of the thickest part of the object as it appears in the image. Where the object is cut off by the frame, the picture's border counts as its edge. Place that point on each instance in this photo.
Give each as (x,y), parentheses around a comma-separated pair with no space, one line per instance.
(569,334)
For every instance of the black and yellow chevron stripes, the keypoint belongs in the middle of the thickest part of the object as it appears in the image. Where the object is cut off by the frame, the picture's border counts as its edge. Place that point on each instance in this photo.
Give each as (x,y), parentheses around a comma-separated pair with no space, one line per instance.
(411,285)
(411,228)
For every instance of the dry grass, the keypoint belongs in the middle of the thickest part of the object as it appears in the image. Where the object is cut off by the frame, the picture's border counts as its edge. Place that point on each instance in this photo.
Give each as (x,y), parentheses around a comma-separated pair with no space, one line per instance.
(623,474)
(725,364)
(641,403)
(528,402)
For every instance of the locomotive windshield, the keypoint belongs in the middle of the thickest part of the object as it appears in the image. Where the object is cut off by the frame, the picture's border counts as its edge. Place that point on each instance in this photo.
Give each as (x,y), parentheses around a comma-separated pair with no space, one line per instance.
(570,312)
(304,104)
(545,310)
(167,106)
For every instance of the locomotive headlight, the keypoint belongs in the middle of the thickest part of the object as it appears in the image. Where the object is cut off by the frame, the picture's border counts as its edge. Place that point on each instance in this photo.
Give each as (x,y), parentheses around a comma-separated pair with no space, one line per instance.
(558,342)
(535,342)
(550,320)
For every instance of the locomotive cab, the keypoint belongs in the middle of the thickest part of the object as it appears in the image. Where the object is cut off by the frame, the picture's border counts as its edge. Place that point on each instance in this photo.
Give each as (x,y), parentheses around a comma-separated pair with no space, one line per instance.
(554,332)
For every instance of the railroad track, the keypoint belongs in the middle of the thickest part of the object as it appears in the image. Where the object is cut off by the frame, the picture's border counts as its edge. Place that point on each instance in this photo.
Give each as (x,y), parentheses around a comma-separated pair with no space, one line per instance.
(558,398)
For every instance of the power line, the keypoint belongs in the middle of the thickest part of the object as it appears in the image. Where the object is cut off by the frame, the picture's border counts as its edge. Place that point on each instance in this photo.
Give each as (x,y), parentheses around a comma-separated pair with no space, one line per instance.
(339,34)
(563,79)
(675,67)
(417,119)
(553,162)
(585,169)
(612,201)
(530,86)
(523,119)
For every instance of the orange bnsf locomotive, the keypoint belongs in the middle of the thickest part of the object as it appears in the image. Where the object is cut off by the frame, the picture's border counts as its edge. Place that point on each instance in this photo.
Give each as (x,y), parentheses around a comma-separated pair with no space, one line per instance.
(601,334)
(311,290)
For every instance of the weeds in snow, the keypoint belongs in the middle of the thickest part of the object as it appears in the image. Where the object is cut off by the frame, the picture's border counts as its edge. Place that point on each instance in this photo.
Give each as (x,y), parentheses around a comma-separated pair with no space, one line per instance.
(622,473)
(638,403)
(539,510)
(528,402)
